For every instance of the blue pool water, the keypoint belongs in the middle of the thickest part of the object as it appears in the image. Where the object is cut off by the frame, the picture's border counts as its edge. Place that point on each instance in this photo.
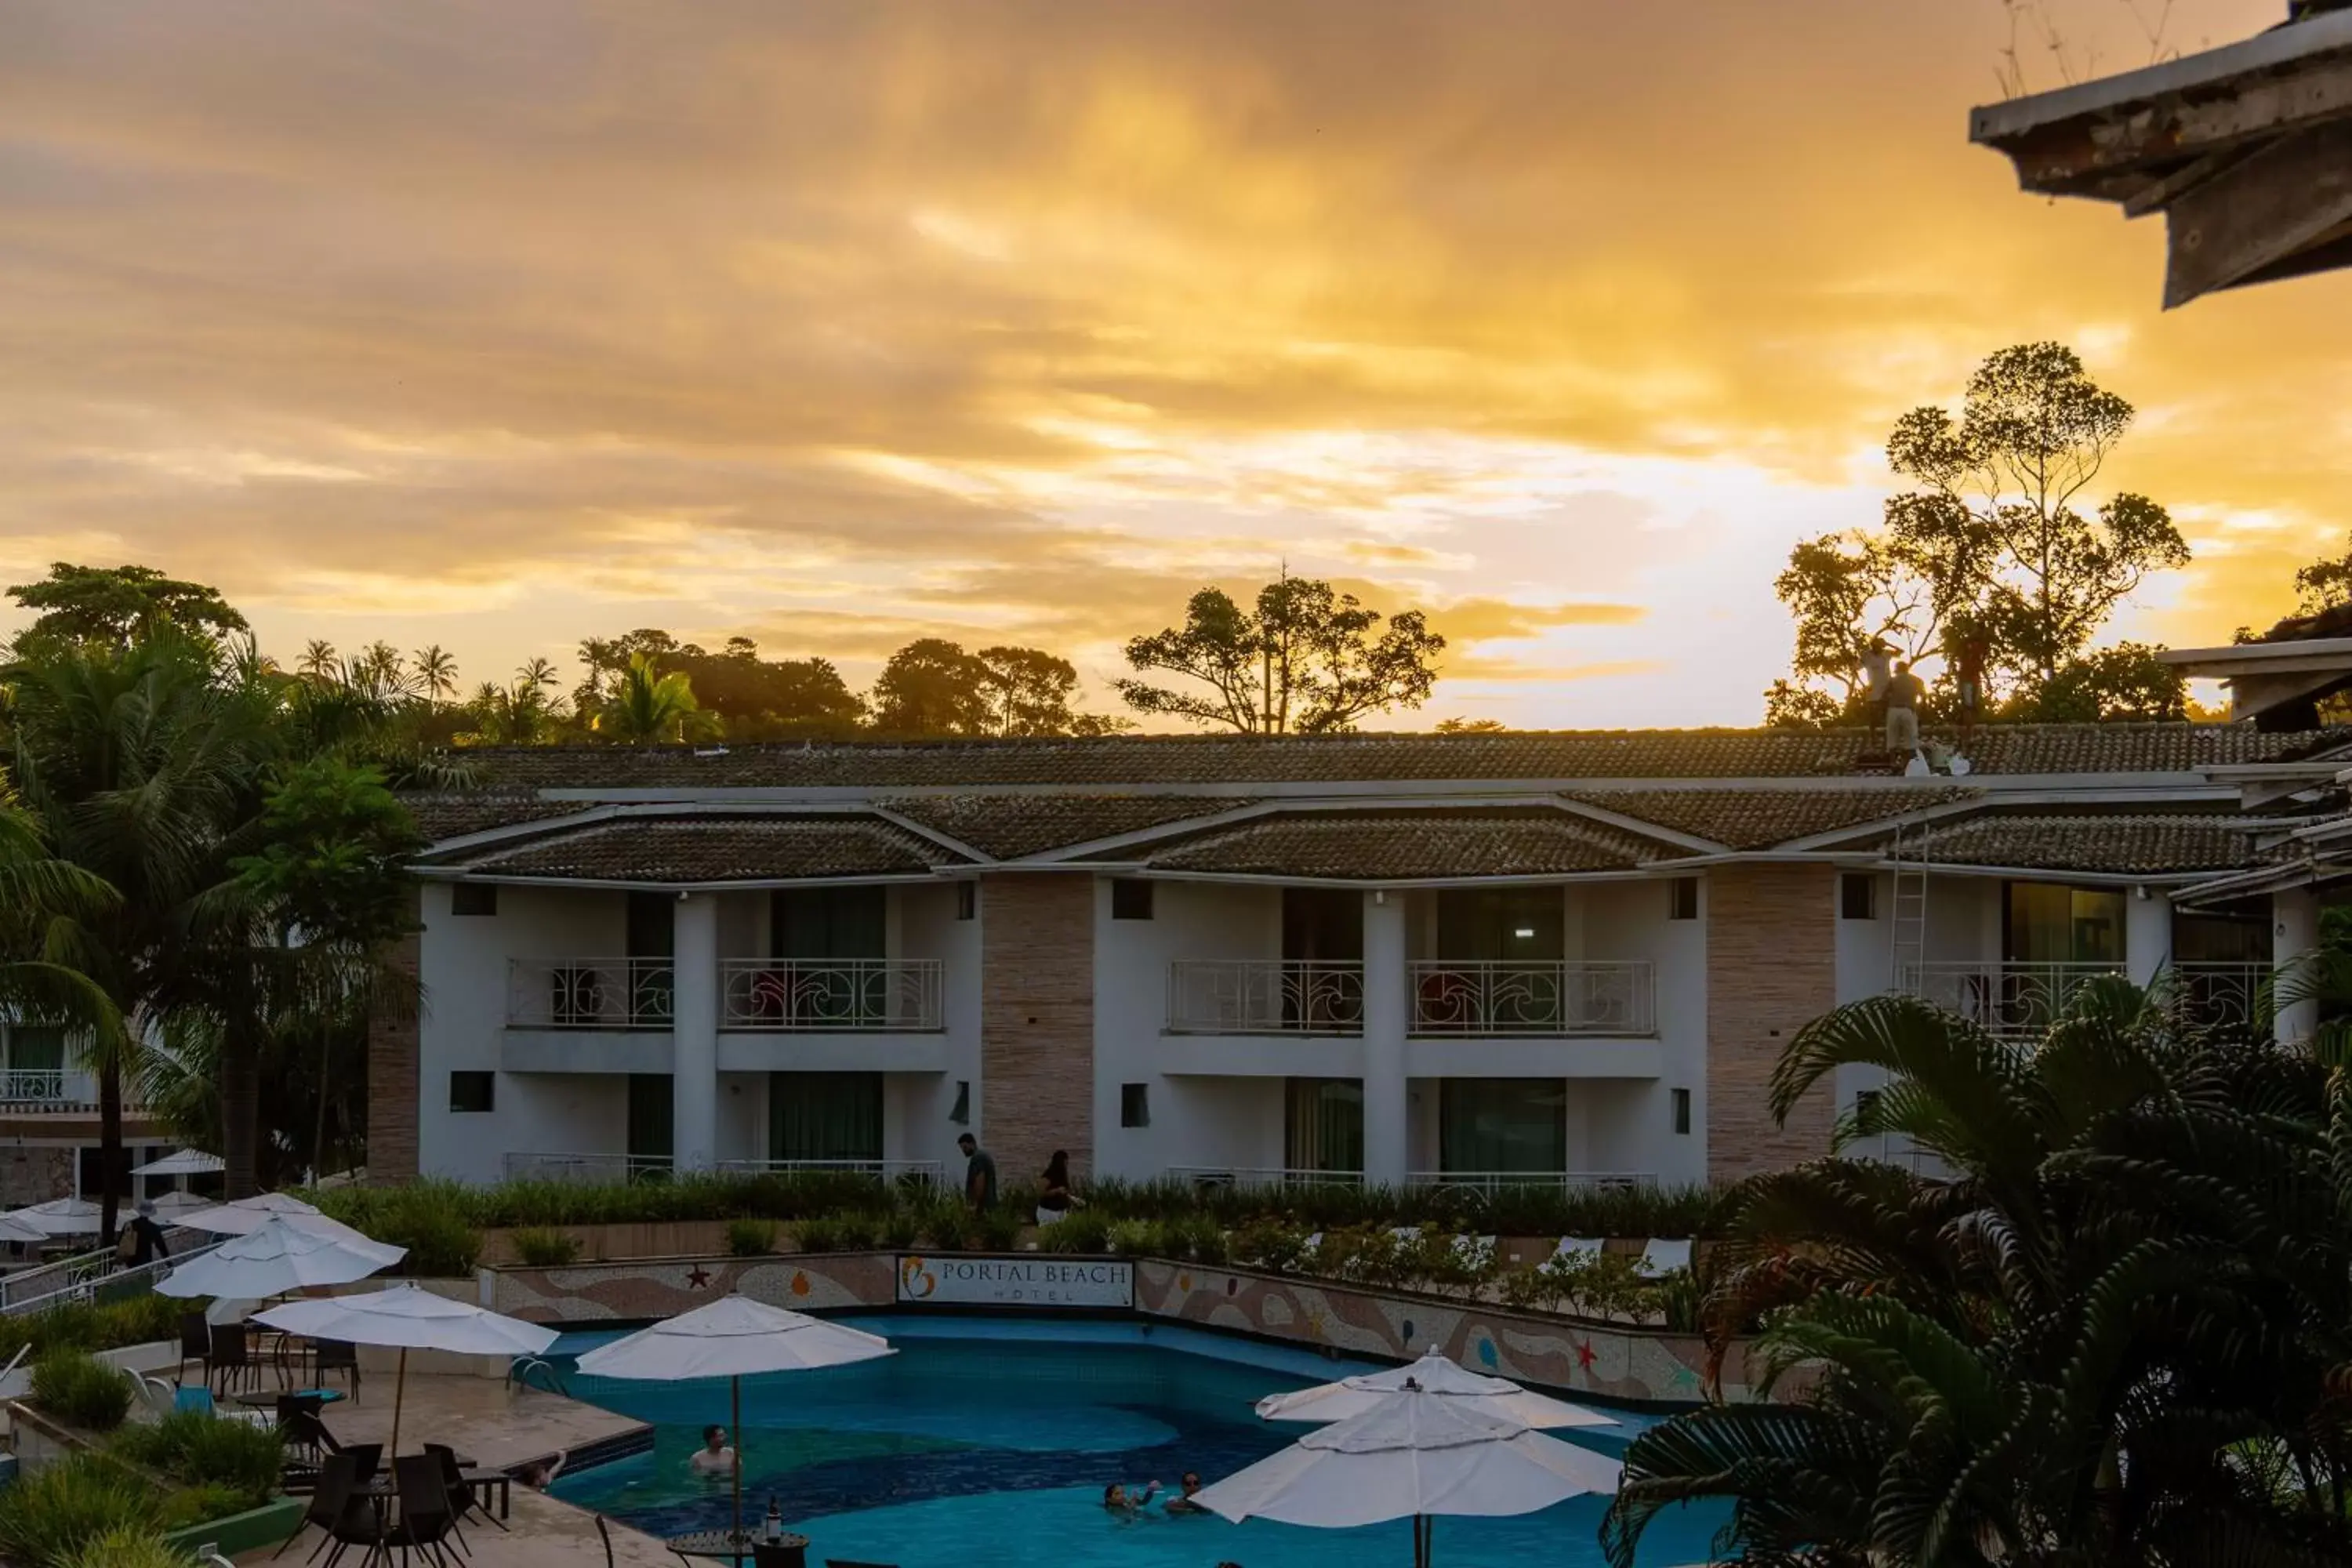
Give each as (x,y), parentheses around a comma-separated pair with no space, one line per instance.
(987,1444)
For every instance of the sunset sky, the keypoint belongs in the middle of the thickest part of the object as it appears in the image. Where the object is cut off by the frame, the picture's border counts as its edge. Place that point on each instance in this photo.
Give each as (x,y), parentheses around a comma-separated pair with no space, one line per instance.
(834,325)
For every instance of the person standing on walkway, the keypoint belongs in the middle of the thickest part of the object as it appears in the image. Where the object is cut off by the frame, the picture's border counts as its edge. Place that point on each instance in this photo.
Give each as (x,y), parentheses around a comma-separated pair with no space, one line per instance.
(146,1238)
(979,1175)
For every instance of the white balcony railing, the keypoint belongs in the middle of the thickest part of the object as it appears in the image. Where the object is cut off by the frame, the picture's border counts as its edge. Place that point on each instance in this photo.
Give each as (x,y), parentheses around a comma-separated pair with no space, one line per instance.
(1501,1181)
(589,1170)
(833,995)
(897,1172)
(51,1088)
(1262,1178)
(2005,998)
(1492,998)
(2216,994)
(2026,998)
(590,993)
(1264,996)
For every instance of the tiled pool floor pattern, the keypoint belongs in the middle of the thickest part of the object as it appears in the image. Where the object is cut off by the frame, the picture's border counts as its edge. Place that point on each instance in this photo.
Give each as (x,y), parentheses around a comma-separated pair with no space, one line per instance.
(976,1452)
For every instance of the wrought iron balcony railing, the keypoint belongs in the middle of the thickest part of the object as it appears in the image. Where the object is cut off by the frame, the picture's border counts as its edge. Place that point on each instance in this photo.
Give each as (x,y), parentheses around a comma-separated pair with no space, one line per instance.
(1494,998)
(1264,996)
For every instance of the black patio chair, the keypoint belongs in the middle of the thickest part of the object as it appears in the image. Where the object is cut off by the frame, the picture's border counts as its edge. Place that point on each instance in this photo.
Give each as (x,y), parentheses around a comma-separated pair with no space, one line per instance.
(196,1343)
(335,1355)
(428,1512)
(328,1503)
(230,1361)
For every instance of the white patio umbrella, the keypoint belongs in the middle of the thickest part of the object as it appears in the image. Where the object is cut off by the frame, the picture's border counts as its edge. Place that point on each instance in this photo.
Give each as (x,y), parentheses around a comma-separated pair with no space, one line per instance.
(407,1318)
(181,1162)
(61,1216)
(734,1338)
(276,1258)
(1415,1455)
(1440,1377)
(239,1215)
(177,1203)
(13,1229)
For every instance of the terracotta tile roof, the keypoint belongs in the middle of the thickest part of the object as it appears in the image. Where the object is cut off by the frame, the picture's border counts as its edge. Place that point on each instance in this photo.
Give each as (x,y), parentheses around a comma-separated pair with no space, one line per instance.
(715,850)
(2152,844)
(1203,760)
(1375,846)
(1752,819)
(1009,827)
(450,813)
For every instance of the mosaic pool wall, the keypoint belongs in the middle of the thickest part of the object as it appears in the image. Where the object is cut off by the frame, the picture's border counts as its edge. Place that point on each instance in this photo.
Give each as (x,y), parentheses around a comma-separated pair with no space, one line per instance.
(1636,1365)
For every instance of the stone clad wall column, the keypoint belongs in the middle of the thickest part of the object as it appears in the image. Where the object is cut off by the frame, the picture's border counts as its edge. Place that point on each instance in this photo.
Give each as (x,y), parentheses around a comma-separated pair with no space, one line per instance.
(2295,931)
(694,1026)
(1388,1002)
(2147,935)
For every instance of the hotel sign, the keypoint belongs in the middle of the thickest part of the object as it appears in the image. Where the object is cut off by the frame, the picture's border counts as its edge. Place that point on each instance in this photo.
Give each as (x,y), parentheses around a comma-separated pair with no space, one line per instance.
(961,1280)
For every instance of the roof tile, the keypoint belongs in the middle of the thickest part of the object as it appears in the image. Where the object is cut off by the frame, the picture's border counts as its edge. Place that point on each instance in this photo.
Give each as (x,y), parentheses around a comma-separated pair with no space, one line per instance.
(714,849)
(1753,819)
(1381,845)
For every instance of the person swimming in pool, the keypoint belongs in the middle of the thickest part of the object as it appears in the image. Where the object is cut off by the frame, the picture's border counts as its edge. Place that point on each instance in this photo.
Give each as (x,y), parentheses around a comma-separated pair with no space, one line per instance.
(1182,1503)
(1118,1499)
(714,1458)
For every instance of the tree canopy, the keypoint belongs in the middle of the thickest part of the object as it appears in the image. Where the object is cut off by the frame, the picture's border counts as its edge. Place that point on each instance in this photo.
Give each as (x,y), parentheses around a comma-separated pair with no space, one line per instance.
(112,604)
(1303,660)
(1994,557)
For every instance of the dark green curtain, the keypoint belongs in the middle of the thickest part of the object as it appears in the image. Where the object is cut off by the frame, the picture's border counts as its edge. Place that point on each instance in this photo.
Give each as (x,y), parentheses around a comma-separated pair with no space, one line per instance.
(1502,1124)
(830,922)
(651,1098)
(35,1047)
(824,1116)
(1323,1125)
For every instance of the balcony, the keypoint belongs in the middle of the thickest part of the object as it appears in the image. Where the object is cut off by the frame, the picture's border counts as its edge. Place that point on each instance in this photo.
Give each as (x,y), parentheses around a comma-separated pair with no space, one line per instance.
(2023,999)
(1264,996)
(61,1089)
(590,993)
(1493,1182)
(1497,999)
(1266,1179)
(833,995)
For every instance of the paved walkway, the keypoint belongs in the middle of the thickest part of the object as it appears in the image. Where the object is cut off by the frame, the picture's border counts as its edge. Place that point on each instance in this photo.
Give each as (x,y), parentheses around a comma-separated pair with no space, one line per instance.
(481,1418)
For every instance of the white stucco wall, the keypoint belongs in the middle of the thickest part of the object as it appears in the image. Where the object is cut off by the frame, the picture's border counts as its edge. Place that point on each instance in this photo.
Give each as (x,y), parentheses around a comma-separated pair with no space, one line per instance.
(1195,1122)
(1630,1121)
(462,965)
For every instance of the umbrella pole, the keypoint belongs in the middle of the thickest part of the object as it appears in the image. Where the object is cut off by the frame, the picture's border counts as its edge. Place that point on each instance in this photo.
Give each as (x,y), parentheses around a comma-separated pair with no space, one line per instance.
(735,1430)
(399,1389)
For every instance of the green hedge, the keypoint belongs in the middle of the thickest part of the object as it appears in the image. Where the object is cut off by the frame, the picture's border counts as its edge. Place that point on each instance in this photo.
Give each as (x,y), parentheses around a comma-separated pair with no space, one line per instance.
(133,1321)
(81,1391)
(437,1220)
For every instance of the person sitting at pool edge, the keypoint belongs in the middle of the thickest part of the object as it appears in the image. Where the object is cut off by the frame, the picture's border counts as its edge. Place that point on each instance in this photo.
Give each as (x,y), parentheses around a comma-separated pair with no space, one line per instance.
(1182,1503)
(1117,1501)
(714,1458)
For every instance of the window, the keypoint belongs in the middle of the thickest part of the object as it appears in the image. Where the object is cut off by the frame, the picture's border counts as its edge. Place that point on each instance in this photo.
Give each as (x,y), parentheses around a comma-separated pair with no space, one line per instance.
(474,899)
(967,900)
(1857,895)
(1682,1110)
(1130,898)
(1323,1124)
(961,1112)
(1135,1105)
(826,1116)
(473,1091)
(1502,1125)
(1681,899)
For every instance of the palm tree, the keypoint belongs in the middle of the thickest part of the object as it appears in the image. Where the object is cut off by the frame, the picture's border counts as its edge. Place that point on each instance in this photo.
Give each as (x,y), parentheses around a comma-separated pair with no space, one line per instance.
(646,706)
(537,673)
(2108,1336)
(437,672)
(143,765)
(319,660)
(387,671)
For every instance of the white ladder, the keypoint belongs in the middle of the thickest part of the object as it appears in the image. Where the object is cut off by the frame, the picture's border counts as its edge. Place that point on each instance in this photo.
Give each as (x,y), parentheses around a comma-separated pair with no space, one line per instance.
(1909,947)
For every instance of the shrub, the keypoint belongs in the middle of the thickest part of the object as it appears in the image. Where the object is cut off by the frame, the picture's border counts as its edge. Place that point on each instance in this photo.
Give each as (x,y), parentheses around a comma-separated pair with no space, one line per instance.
(82,1325)
(997,1230)
(1080,1230)
(82,1390)
(201,1505)
(944,1223)
(440,1244)
(900,1230)
(858,1228)
(206,1451)
(818,1235)
(1275,1245)
(542,1246)
(54,1513)
(133,1546)
(751,1238)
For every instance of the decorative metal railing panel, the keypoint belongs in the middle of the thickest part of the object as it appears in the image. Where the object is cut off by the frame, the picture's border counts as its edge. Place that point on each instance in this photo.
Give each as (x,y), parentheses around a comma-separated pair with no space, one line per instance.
(1266,1178)
(833,995)
(894,1172)
(1495,998)
(1503,1181)
(52,1088)
(2005,998)
(2215,994)
(590,1170)
(1264,996)
(590,993)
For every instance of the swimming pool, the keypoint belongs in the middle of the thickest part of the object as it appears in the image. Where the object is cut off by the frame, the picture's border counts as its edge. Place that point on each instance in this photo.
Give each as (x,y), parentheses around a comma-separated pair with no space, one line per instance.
(986,1443)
